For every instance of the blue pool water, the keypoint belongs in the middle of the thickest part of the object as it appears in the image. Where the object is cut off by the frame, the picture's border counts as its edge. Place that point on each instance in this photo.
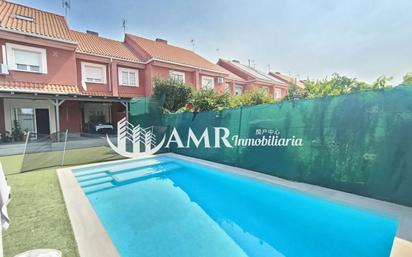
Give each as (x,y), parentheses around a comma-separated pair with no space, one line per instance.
(164,206)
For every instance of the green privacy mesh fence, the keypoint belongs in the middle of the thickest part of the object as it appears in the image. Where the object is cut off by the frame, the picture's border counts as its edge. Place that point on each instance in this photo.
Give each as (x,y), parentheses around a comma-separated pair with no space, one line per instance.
(359,143)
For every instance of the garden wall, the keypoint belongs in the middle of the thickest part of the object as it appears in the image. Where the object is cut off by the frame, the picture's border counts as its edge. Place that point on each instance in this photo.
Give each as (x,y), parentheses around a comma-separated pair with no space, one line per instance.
(359,143)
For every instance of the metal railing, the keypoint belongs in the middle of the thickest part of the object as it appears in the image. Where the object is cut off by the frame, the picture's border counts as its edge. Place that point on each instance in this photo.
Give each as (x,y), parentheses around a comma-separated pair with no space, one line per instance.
(66,148)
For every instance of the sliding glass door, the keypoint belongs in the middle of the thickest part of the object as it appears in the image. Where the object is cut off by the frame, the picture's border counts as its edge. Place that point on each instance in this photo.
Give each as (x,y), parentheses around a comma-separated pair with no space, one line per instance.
(24,119)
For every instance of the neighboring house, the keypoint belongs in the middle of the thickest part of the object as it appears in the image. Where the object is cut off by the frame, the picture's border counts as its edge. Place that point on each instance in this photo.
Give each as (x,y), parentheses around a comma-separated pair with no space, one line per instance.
(44,65)
(254,79)
(167,61)
(287,79)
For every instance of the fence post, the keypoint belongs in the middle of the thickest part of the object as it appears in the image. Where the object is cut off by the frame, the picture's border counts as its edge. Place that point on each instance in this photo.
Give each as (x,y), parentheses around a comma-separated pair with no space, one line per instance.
(239,130)
(24,151)
(64,147)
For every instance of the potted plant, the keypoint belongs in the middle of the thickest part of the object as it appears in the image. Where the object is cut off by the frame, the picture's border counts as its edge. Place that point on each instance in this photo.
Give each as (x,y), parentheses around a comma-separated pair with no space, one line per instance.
(17,133)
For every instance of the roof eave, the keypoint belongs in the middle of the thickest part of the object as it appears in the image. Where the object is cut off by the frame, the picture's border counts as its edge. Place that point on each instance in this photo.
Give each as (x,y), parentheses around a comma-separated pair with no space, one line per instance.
(110,57)
(38,36)
(186,65)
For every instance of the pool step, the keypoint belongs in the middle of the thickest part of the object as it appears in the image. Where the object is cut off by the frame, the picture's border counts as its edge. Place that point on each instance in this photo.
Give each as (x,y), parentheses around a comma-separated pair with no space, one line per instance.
(98,187)
(120,167)
(92,176)
(143,173)
(141,166)
(97,181)
(109,177)
(79,174)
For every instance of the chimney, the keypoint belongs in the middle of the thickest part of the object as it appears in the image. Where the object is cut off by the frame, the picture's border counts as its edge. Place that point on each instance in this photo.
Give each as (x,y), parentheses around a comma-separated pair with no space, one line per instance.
(92,32)
(236,61)
(160,40)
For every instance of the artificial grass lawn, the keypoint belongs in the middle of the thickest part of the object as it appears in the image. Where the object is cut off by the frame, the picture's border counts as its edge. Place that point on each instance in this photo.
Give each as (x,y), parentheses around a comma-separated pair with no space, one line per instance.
(37,212)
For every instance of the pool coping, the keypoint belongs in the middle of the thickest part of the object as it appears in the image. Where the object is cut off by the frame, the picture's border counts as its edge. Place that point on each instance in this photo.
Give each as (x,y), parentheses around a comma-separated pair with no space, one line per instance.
(90,235)
(93,240)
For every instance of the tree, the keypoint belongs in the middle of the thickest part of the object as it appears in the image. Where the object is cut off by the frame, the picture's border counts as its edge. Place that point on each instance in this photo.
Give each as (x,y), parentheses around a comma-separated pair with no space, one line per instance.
(338,85)
(251,97)
(381,82)
(295,92)
(407,79)
(208,99)
(175,93)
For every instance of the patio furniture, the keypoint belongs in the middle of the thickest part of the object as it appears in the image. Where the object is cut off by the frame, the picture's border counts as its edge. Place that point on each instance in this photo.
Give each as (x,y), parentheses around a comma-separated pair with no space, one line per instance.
(41,253)
(5,137)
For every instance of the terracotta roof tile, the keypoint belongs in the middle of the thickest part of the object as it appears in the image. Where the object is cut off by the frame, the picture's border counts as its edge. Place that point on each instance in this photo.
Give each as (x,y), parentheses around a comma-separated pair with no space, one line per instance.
(52,89)
(233,76)
(287,79)
(93,44)
(29,87)
(43,24)
(170,53)
(254,73)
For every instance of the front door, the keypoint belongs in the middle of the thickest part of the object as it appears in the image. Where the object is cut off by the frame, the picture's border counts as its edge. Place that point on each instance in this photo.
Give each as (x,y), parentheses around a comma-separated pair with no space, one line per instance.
(42,121)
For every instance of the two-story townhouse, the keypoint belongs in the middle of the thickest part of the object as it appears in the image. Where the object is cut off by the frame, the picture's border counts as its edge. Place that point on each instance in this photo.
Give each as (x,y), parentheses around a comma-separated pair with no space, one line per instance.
(254,79)
(105,68)
(53,79)
(38,65)
(167,61)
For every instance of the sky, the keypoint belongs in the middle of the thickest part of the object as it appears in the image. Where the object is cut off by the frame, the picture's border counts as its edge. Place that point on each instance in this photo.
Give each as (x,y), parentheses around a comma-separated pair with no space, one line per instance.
(363,39)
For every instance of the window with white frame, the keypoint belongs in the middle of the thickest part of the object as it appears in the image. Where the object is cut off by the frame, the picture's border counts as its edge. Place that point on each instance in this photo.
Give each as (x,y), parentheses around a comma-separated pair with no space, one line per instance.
(238,89)
(177,75)
(278,93)
(208,82)
(26,58)
(93,73)
(128,77)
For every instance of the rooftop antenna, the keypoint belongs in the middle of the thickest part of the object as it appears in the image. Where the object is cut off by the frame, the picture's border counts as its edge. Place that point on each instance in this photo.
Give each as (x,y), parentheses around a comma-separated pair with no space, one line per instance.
(192,41)
(254,66)
(124,22)
(218,52)
(268,68)
(66,6)
(248,62)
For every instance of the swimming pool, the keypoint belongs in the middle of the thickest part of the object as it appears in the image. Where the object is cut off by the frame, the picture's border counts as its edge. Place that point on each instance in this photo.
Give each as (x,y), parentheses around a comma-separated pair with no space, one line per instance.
(166,206)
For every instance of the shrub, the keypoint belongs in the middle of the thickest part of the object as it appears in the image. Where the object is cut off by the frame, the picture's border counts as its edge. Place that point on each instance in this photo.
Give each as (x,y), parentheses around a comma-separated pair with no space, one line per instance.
(252,97)
(207,100)
(176,94)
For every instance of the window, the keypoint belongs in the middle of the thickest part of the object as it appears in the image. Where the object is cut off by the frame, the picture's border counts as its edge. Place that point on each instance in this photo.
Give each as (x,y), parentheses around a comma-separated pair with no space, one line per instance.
(94,73)
(128,77)
(24,119)
(177,75)
(26,58)
(208,82)
(278,93)
(24,17)
(238,89)
(97,116)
